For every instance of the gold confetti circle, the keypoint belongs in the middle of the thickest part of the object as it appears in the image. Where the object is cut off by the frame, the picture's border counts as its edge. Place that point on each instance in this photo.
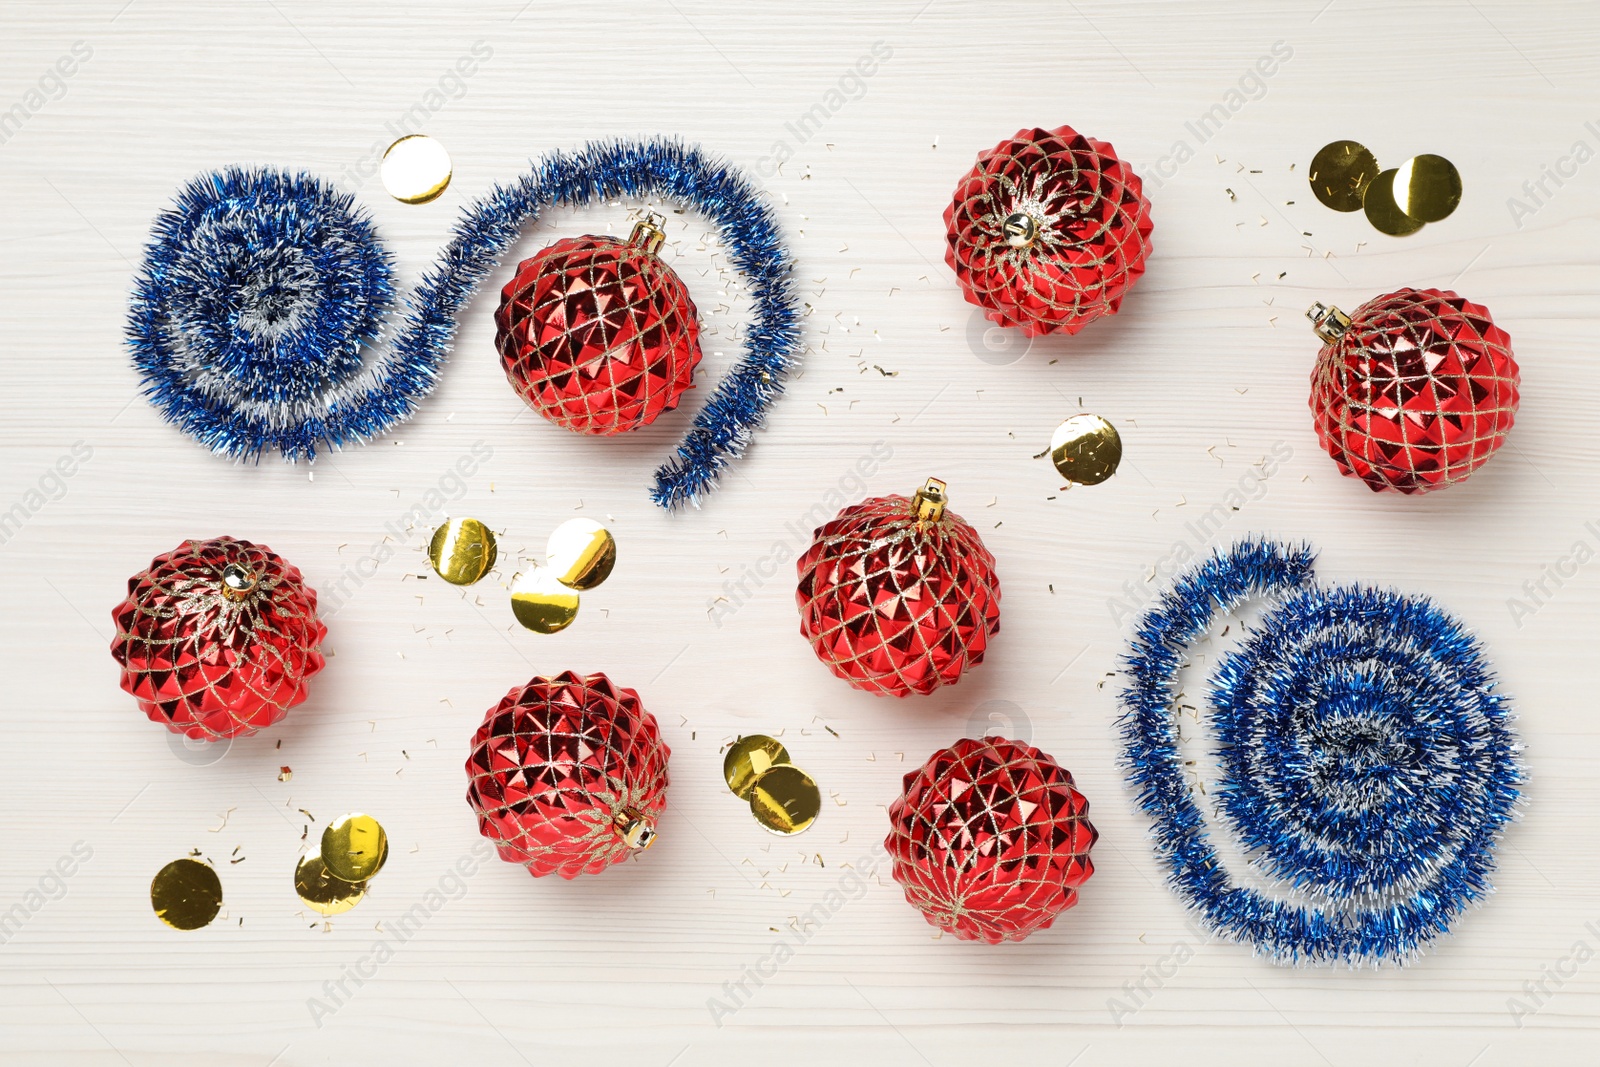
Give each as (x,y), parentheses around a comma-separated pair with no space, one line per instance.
(541,603)
(748,759)
(1086,449)
(186,894)
(1427,187)
(581,553)
(462,551)
(416,169)
(354,847)
(1382,210)
(785,800)
(1340,173)
(322,891)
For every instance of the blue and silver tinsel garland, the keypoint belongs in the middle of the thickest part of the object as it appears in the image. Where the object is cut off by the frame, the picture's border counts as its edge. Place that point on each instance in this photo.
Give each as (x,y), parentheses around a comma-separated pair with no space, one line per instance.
(260,289)
(1367,764)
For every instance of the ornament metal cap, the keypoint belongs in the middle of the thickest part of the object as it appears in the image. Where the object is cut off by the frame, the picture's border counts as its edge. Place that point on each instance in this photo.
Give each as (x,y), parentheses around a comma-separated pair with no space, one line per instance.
(1021,230)
(648,233)
(1329,322)
(634,829)
(238,581)
(929,501)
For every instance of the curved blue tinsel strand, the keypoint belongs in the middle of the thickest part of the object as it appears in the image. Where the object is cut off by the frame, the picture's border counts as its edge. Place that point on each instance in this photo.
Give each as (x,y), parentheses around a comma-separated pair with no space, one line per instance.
(676,172)
(260,289)
(1367,762)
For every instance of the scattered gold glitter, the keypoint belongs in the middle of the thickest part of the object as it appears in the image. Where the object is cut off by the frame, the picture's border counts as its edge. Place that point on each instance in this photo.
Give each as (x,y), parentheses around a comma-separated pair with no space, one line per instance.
(1427,187)
(541,603)
(186,894)
(748,759)
(1383,211)
(321,891)
(1340,173)
(785,800)
(1086,449)
(285,774)
(462,551)
(581,553)
(416,169)
(354,847)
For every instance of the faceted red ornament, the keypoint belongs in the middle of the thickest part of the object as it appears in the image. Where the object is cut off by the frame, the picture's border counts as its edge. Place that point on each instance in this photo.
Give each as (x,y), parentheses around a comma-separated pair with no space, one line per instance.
(899,595)
(1413,392)
(568,774)
(1049,231)
(599,335)
(990,840)
(217,638)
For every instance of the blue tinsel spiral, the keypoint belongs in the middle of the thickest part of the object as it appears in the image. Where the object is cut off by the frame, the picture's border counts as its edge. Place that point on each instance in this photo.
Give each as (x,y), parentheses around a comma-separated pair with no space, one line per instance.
(260,289)
(259,292)
(1367,763)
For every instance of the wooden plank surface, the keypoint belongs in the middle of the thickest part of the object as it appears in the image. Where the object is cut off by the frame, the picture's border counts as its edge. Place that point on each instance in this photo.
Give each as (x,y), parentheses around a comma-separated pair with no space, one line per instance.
(1204,372)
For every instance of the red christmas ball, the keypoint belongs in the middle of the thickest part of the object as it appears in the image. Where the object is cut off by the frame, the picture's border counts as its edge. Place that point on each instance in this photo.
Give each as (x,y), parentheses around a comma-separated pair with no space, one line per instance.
(990,840)
(1049,231)
(597,334)
(568,775)
(217,638)
(899,595)
(1413,392)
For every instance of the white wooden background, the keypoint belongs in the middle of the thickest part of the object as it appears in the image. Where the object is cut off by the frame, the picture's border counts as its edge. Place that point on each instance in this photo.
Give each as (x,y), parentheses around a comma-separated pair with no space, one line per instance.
(1205,371)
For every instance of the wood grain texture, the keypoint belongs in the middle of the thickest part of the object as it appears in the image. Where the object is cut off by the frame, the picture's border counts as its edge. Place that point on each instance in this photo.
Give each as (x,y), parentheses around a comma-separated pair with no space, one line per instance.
(1204,372)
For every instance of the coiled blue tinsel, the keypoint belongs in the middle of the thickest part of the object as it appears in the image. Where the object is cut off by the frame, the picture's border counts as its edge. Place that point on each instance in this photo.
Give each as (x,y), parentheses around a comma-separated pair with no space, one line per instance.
(259,287)
(1367,763)
(259,292)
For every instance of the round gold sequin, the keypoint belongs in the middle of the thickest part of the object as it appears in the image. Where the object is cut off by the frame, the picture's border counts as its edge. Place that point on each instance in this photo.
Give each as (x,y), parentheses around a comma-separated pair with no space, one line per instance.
(1086,449)
(1340,173)
(581,553)
(1427,187)
(748,759)
(321,891)
(416,169)
(462,551)
(1382,211)
(785,800)
(541,603)
(186,894)
(354,847)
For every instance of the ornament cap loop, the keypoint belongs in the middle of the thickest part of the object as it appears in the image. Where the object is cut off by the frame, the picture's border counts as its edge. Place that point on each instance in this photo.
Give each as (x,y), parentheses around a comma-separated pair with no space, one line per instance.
(1329,322)
(238,581)
(634,829)
(648,233)
(1021,230)
(930,500)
